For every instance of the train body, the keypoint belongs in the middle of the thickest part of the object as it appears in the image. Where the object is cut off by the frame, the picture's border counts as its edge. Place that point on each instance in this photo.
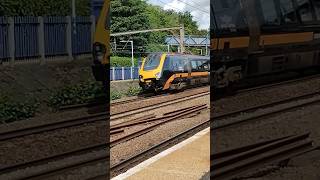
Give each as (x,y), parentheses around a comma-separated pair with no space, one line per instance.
(257,37)
(162,71)
(101,44)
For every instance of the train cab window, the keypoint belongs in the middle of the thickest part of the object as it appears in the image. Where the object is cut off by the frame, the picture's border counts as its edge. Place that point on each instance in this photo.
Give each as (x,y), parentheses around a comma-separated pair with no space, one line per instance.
(152,62)
(288,13)
(305,10)
(316,5)
(270,15)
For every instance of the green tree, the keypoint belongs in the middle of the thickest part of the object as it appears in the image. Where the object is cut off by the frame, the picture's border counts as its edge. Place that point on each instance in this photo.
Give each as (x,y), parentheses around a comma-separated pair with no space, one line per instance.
(42,7)
(160,18)
(130,15)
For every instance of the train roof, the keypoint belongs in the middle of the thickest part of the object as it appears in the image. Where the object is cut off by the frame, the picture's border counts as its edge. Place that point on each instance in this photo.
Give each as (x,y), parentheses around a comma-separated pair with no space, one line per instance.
(182,54)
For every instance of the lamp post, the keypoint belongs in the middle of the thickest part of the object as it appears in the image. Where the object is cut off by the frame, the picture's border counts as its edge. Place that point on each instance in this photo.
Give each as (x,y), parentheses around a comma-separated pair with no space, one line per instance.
(132,61)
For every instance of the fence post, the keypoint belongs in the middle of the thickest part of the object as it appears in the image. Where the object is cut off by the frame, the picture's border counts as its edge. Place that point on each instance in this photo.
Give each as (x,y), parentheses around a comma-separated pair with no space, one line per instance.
(113,74)
(69,37)
(93,29)
(131,70)
(41,40)
(11,40)
(122,69)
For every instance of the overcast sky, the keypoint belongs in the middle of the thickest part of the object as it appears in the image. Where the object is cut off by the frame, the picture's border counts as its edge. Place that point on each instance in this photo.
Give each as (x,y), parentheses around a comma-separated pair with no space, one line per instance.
(199,9)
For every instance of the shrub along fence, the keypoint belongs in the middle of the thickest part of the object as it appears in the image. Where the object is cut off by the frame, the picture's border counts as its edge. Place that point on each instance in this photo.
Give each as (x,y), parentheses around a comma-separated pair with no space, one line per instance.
(43,38)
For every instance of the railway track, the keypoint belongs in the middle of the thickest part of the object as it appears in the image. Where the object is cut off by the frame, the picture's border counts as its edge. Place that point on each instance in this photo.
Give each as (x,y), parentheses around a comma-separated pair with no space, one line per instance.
(149,96)
(153,106)
(56,164)
(159,121)
(137,158)
(233,163)
(288,82)
(92,155)
(222,121)
(53,126)
(124,165)
(100,149)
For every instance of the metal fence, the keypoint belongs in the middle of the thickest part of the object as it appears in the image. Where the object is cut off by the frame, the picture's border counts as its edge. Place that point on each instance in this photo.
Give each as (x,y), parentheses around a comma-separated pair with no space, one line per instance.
(124,73)
(41,38)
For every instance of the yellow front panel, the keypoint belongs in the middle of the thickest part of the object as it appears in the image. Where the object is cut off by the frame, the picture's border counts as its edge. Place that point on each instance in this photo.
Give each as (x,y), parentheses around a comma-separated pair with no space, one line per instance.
(102,34)
(151,73)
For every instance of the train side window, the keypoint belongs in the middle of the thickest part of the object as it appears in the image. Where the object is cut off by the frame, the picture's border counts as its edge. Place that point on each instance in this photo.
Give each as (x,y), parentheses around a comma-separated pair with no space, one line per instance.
(288,12)
(305,10)
(167,63)
(229,16)
(205,65)
(177,63)
(270,16)
(194,65)
(316,5)
(199,63)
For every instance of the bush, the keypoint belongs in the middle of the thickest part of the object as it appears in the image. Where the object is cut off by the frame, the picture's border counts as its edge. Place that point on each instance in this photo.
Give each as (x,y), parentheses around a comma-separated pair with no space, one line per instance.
(133,91)
(117,61)
(114,95)
(76,94)
(13,111)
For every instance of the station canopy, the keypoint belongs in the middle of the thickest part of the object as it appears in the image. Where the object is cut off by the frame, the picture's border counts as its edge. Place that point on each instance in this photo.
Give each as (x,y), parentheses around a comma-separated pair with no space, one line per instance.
(195,41)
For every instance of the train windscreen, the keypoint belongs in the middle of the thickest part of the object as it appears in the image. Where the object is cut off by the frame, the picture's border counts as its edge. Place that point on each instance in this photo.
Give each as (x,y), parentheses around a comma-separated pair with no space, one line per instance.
(152,62)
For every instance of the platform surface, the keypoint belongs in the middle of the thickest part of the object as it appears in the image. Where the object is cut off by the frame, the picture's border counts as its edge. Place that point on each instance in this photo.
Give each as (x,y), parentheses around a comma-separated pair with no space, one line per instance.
(189,159)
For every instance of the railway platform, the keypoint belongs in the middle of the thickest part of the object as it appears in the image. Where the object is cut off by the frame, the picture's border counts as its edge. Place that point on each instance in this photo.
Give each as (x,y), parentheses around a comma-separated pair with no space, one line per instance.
(189,159)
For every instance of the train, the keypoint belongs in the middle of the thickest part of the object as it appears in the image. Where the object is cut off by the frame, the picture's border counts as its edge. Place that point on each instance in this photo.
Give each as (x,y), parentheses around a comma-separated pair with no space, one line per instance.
(101,44)
(173,71)
(252,38)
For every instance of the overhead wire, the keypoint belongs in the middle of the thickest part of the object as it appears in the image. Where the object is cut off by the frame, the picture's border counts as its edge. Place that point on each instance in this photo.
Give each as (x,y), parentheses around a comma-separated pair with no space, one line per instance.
(178,9)
(194,7)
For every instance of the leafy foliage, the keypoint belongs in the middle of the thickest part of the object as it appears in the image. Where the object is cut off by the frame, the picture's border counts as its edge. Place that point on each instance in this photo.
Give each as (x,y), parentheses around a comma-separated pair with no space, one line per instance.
(133,91)
(114,95)
(76,94)
(130,15)
(42,7)
(13,111)
(160,18)
(117,61)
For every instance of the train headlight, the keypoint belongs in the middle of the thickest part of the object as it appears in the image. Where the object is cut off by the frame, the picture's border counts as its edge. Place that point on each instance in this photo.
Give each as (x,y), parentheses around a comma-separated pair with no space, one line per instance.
(99,51)
(158,75)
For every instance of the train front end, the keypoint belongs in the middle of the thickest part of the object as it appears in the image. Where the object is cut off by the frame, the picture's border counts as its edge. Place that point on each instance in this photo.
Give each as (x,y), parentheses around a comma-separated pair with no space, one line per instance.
(150,72)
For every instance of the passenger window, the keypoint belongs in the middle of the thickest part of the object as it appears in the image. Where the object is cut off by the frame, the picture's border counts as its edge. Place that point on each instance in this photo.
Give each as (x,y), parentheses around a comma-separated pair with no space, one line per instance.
(199,63)
(305,11)
(194,65)
(288,12)
(205,66)
(167,63)
(270,16)
(177,63)
(316,4)
(229,16)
